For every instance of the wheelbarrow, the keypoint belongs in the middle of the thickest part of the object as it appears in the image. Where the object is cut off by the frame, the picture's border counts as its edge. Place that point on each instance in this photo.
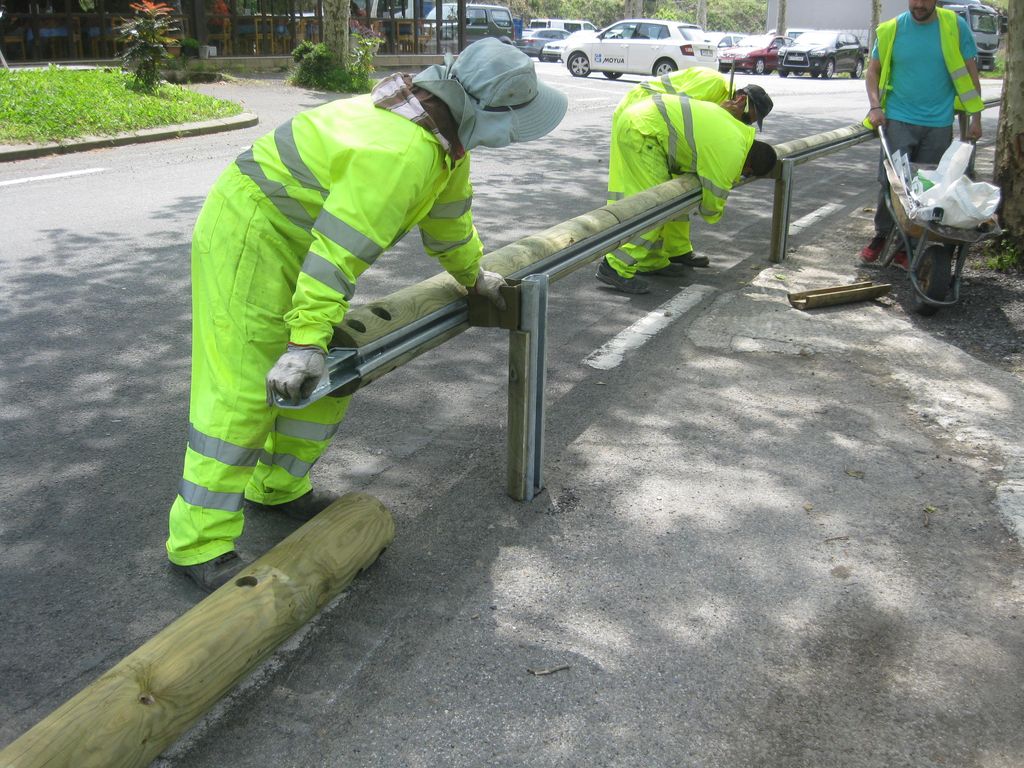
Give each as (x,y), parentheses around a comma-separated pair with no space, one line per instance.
(937,252)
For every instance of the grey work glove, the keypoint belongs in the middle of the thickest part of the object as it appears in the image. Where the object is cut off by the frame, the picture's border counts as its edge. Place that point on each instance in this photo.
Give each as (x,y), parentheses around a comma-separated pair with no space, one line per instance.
(296,373)
(488,285)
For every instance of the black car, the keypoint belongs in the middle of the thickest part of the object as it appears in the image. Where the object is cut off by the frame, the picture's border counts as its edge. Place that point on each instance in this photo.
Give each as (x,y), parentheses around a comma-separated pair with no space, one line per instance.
(823,54)
(533,40)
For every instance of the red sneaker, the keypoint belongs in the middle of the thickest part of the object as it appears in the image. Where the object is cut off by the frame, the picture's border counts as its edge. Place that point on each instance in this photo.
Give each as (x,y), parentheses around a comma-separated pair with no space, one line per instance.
(870,252)
(900,260)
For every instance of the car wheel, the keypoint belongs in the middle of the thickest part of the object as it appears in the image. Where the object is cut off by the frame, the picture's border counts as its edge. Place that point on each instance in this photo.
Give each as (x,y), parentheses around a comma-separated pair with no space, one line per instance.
(663,67)
(613,75)
(830,69)
(579,65)
(857,70)
(783,73)
(759,68)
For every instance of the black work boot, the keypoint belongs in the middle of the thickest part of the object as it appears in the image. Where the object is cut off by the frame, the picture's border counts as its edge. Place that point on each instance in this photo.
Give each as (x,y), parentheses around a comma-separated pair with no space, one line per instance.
(609,276)
(303,509)
(214,573)
(690,259)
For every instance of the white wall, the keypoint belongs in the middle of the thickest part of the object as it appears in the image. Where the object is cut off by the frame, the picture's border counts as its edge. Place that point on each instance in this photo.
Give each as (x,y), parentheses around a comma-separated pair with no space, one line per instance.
(842,15)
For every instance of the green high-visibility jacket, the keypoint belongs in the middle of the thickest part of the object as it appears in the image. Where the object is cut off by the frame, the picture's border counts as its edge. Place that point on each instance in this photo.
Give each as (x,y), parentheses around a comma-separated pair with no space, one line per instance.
(700,83)
(967,97)
(344,182)
(697,137)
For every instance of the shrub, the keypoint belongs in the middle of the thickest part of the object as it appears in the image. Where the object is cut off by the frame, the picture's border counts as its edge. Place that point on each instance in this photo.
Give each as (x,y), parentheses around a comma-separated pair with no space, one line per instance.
(190,48)
(319,68)
(145,36)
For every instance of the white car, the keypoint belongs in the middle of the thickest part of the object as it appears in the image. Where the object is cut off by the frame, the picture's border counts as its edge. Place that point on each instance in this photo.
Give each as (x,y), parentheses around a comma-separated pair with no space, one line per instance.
(641,47)
(553,51)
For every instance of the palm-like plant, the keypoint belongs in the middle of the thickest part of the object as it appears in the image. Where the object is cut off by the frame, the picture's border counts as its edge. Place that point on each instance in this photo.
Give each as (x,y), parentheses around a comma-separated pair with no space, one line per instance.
(145,36)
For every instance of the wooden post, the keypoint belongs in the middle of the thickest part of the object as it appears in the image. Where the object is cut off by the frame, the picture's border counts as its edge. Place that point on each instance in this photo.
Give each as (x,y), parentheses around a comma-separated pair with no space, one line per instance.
(133,712)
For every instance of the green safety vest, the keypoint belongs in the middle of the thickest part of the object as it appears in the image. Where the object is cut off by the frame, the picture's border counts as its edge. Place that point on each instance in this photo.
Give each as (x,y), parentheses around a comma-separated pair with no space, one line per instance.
(967,98)
(344,182)
(698,137)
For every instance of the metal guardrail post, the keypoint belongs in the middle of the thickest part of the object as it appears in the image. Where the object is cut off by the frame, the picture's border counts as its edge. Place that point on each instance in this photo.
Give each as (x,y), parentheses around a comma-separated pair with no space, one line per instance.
(527,371)
(780,211)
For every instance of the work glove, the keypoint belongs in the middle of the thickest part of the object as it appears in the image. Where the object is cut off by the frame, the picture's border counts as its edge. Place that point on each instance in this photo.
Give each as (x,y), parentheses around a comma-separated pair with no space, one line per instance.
(488,285)
(296,373)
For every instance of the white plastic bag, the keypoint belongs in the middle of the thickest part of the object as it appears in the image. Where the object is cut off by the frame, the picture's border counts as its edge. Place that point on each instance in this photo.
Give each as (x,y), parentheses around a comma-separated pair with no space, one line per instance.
(964,203)
(967,204)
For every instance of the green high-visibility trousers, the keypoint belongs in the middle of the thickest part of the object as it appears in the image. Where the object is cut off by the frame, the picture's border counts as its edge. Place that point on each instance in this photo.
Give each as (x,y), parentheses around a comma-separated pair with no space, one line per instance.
(638,162)
(243,276)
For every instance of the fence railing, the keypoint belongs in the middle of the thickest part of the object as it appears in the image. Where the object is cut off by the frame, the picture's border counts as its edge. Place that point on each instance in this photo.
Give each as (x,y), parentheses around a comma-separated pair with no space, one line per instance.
(380,336)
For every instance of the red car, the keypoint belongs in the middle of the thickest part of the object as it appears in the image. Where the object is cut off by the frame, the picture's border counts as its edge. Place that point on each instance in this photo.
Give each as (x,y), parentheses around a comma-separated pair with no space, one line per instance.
(754,53)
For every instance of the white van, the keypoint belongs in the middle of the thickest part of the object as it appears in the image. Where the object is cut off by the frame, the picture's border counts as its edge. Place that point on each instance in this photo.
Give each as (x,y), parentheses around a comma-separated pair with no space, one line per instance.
(570,25)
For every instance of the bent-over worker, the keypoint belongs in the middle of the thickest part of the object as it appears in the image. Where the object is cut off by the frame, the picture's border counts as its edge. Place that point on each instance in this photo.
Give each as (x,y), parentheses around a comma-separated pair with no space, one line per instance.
(279,245)
(658,139)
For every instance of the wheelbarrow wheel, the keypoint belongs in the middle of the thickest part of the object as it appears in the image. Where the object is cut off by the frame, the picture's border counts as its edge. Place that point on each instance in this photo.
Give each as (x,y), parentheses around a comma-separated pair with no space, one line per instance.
(933,273)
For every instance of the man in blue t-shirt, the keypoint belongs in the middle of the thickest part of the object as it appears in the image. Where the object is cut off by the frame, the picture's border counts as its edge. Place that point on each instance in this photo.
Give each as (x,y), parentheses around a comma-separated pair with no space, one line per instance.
(917,111)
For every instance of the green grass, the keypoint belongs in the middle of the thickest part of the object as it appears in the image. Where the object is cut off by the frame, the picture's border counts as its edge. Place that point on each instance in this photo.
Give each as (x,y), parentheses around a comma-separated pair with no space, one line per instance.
(55,104)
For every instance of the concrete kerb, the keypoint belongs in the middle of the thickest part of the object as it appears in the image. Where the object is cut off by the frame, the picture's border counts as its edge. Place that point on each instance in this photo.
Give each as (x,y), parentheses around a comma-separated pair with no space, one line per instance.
(10,152)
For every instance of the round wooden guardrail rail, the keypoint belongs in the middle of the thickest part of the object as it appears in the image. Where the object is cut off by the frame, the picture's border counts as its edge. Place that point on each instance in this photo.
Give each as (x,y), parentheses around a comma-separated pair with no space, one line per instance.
(134,711)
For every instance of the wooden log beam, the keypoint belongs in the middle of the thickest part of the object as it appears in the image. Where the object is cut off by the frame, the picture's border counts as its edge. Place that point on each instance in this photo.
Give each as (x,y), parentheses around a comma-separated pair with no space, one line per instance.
(369,322)
(133,712)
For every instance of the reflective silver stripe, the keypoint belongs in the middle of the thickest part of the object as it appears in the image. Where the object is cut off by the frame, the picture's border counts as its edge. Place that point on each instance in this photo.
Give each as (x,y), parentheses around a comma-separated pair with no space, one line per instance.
(684,103)
(442,246)
(284,138)
(650,245)
(221,450)
(322,270)
(673,137)
(968,95)
(621,255)
(275,191)
(348,237)
(716,190)
(450,210)
(292,465)
(615,195)
(198,496)
(666,80)
(707,213)
(304,430)
(957,74)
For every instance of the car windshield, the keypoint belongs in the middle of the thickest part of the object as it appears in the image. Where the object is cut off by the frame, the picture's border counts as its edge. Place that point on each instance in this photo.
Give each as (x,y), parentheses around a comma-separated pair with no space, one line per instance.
(692,34)
(755,41)
(817,38)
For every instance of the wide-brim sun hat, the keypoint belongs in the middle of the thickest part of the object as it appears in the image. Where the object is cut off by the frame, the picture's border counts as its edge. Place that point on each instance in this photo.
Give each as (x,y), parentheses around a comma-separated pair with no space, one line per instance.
(493,93)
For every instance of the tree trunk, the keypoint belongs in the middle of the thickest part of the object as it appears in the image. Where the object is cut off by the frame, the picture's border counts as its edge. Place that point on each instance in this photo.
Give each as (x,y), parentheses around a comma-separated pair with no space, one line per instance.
(634,9)
(1009,172)
(702,13)
(780,23)
(876,19)
(336,14)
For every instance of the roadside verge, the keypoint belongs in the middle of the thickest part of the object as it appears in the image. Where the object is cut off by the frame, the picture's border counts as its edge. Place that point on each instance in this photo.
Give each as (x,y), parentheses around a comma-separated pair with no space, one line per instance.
(10,152)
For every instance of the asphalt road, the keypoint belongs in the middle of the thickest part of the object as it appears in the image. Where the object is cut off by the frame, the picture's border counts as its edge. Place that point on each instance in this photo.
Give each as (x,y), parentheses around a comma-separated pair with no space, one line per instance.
(722,589)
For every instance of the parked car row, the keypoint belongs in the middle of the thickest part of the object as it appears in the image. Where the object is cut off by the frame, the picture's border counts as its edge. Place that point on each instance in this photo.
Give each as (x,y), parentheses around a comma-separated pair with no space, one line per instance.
(654,47)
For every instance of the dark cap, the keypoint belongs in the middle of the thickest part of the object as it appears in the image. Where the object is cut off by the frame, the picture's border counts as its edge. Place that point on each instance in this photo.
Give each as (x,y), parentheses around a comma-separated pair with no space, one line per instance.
(762,102)
(761,158)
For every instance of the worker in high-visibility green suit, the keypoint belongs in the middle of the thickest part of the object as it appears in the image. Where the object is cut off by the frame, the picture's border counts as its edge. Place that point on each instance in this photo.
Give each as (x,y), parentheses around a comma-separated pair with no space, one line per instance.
(660,110)
(278,247)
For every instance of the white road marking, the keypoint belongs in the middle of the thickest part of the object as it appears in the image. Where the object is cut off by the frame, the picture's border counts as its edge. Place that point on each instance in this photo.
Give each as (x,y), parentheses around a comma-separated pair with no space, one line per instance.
(49,176)
(613,352)
(813,217)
